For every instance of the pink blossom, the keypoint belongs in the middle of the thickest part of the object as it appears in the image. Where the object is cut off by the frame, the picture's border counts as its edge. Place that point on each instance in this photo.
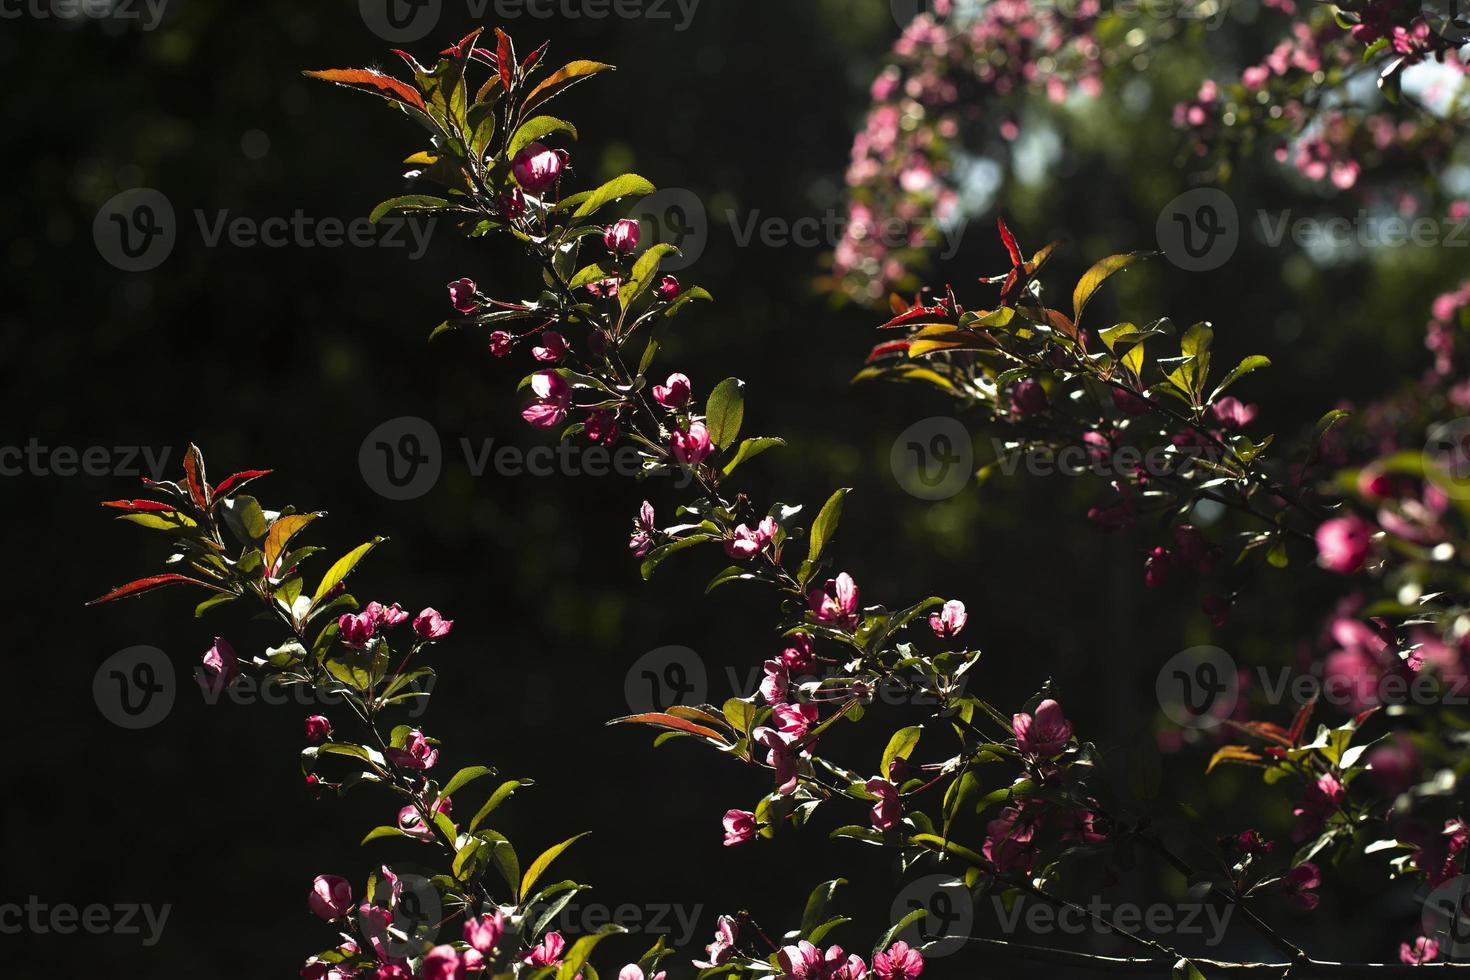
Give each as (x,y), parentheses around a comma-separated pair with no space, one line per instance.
(1422,950)
(536,168)
(357,630)
(776,682)
(430,625)
(949,620)
(1344,544)
(739,827)
(385,615)
(553,347)
(1323,797)
(667,289)
(720,951)
(746,542)
(900,962)
(1300,884)
(836,603)
(1029,398)
(673,393)
(781,757)
(795,720)
(800,962)
(443,963)
(691,447)
(621,237)
(330,897)
(462,296)
(416,753)
(318,728)
(887,808)
(500,343)
(219,667)
(798,657)
(603,427)
(484,932)
(1045,734)
(548,951)
(553,398)
(1232,413)
(1008,841)
(635,972)
(641,541)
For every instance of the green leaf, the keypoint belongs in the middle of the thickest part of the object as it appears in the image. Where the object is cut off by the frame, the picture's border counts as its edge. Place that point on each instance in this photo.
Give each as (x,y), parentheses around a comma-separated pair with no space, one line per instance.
(407,203)
(643,272)
(646,361)
(888,937)
(592,273)
(900,746)
(543,862)
(627,185)
(750,449)
(536,128)
(725,411)
(733,573)
(501,794)
(280,534)
(576,958)
(561,80)
(689,295)
(1326,422)
(1096,276)
(1246,366)
(817,905)
(657,555)
(344,566)
(378,833)
(464,777)
(825,526)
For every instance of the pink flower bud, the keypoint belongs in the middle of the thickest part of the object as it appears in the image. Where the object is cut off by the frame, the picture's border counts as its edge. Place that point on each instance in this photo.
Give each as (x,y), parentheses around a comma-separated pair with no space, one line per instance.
(219,667)
(357,630)
(536,168)
(318,728)
(949,620)
(416,753)
(443,963)
(462,296)
(430,625)
(501,343)
(739,827)
(330,897)
(483,933)
(668,289)
(621,237)
(674,393)
(1029,398)
(1344,544)
(1156,567)
(887,811)
(691,447)
(553,348)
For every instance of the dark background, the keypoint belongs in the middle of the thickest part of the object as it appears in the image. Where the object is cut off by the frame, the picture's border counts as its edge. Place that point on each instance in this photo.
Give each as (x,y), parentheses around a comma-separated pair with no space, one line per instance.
(287,358)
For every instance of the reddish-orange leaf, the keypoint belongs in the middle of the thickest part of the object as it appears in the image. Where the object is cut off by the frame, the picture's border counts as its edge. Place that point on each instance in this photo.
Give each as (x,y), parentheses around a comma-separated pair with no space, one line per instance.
(194,475)
(917,313)
(886,348)
(1010,242)
(139,505)
(505,57)
(375,81)
(660,719)
(146,585)
(1299,724)
(237,480)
